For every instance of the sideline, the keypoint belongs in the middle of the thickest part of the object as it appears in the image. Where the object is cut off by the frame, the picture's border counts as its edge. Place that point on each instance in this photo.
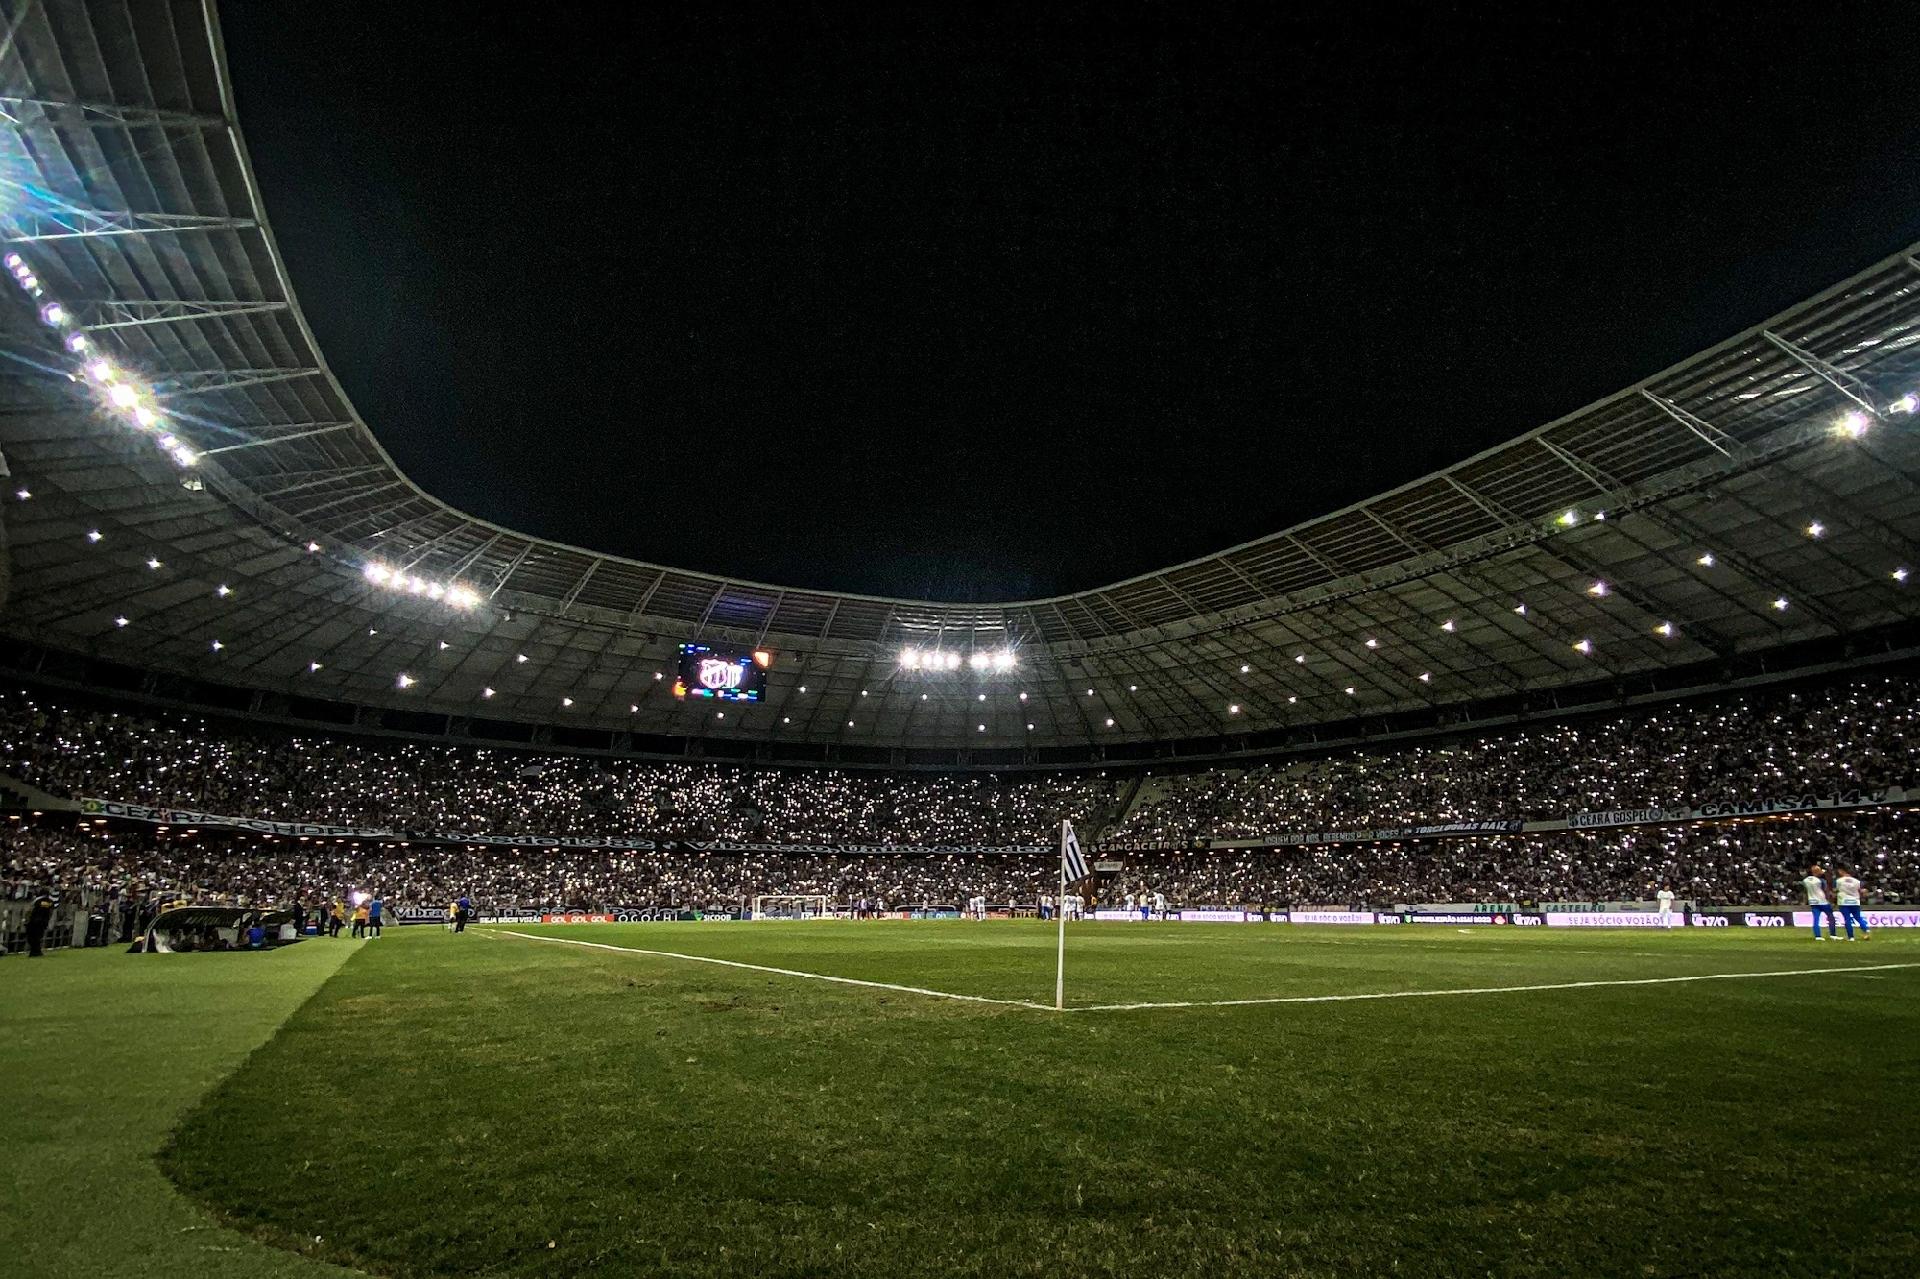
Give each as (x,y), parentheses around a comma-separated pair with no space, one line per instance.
(1198,1003)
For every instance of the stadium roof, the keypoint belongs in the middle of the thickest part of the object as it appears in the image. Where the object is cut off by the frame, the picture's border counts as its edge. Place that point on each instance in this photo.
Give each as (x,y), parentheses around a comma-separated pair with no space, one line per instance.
(1756,495)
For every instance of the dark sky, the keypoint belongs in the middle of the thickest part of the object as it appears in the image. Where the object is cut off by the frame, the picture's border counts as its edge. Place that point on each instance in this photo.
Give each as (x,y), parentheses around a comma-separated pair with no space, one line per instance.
(979,308)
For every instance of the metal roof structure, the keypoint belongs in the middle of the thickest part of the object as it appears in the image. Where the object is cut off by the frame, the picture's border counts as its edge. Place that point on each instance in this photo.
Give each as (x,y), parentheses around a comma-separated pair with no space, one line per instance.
(1759,494)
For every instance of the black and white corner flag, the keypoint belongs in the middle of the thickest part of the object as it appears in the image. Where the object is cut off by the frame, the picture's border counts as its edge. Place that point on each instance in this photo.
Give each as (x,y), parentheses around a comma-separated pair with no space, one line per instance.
(1073,862)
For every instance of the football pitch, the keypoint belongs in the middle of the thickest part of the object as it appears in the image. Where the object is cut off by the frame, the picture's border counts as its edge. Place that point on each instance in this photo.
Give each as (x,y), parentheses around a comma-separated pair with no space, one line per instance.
(1218,1100)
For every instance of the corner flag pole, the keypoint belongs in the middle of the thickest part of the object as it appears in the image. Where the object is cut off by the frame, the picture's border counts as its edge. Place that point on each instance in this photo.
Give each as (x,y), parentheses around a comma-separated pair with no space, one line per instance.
(1060,913)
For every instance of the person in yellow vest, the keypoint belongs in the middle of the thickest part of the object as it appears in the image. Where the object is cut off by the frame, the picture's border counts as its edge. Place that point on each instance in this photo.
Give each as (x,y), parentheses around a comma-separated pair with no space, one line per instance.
(453,911)
(360,920)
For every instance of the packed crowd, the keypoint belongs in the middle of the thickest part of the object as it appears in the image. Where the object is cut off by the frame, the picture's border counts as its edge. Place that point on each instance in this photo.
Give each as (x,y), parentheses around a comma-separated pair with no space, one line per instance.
(1761,744)
(1757,745)
(184,762)
(1747,862)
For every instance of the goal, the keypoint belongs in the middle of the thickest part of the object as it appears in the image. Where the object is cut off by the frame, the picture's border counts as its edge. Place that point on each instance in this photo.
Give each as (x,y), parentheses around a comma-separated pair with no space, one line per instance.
(802,906)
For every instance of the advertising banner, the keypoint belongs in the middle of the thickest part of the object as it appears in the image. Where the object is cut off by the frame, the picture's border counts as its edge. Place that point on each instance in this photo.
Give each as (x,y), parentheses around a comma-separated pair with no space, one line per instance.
(1464,918)
(1876,917)
(1609,918)
(1205,916)
(1331,917)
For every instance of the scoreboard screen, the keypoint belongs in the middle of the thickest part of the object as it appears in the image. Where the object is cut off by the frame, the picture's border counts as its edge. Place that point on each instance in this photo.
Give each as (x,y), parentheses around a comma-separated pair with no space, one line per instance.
(729,676)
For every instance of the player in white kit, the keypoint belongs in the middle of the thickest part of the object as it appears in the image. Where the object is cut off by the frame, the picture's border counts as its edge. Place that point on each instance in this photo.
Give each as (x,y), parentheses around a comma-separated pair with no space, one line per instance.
(1665,898)
(1847,887)
(1159,905)
(1818,902)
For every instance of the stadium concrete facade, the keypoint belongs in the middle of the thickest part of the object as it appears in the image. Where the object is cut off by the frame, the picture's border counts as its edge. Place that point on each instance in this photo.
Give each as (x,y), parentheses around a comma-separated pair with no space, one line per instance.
(197,514)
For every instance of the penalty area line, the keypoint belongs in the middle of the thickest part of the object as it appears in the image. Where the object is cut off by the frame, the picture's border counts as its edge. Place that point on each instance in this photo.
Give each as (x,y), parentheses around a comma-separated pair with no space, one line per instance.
(1482,990)
(783,972)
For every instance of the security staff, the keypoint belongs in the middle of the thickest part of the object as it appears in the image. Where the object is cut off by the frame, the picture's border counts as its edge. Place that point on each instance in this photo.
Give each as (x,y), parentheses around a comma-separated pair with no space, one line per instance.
(38,919)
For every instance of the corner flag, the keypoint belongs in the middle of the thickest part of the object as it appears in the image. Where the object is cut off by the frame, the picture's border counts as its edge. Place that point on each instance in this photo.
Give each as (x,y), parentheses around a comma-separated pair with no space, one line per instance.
(1073,869)
(1073,862)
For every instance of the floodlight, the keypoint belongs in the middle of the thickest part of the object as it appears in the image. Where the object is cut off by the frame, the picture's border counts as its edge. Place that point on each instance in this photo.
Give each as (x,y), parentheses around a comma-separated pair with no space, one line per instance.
(1426,677)
(406,681)
(1705,560)
(94,535)
(1852,424)
(77,342)
(122,396)
(376,573)
(1899,574)
(1780,604)
(1447,626)
(53,313)
(1584,646)
(1233,709)
(978,661)
(1816,529)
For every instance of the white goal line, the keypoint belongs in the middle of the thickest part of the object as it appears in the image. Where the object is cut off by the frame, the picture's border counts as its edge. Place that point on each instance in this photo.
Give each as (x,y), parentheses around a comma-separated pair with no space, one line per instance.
(1205,1003)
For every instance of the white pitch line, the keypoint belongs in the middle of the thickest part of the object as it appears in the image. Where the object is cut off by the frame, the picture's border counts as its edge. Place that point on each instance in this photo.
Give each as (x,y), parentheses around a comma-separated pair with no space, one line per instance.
(1197,1003)
(784,972)
(1480,990)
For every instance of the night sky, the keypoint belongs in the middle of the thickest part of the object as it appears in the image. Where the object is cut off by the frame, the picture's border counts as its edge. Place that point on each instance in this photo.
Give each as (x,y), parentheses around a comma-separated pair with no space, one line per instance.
(972,309)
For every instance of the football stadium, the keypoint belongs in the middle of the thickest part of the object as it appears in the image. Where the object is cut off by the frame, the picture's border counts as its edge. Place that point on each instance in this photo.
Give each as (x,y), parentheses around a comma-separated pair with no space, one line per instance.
(1513,871)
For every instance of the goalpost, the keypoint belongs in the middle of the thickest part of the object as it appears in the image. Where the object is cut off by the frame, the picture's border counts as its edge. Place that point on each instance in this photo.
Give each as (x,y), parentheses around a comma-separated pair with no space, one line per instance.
(792,906)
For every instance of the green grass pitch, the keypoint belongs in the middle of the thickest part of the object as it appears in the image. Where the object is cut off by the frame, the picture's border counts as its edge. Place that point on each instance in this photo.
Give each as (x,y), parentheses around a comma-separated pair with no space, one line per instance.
(491,1104)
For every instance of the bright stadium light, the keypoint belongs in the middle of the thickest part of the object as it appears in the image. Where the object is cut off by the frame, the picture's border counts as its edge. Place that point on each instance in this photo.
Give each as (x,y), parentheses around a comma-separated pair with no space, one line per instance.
(376,573)
(313,666)
(1899,574)
(1233,708)
(1583,646)
(1448,626)
(101,371)
(405,681)
(313,548)
(1023,697)
(1521,609)
(519,659)
(1905,404)
(153,563)
(1706,559)
(77,342)
(1109,721)
(54,314)
(983,728)
(488,692)
(217,646)
(1300,659)
(566,701)
(950,660)
(94,535)
(1664,630)
(982,697)
(22,494)
(1569,518)
(1816,529)
(1852,424)
(122,396)
(1599,590)
(145,418)
(1780,604)
(1351,690)
(1245,668)
(1372,642)
(1005,660)
(120,621)
(910,658)
(1426,677)
(979,661)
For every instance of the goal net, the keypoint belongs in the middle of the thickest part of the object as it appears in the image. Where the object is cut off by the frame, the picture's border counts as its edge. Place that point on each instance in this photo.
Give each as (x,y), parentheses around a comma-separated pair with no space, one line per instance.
(803,906)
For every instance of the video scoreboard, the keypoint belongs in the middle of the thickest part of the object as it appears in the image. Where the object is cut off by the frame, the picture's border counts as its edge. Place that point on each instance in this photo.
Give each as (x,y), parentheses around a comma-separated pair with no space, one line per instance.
(728,676)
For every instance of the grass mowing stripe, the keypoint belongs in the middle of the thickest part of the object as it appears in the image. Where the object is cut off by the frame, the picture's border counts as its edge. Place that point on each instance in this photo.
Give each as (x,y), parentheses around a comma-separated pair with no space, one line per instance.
(101,1053)
(1479,990)
(784,972)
